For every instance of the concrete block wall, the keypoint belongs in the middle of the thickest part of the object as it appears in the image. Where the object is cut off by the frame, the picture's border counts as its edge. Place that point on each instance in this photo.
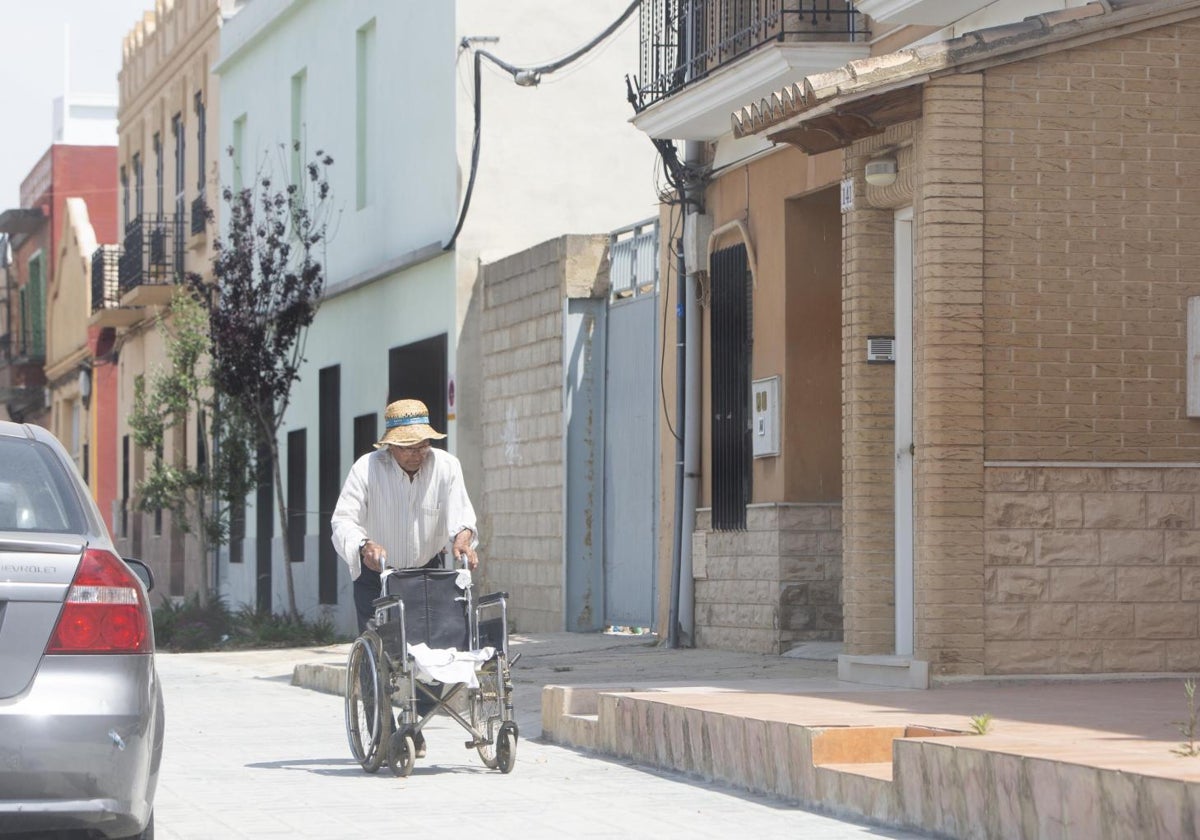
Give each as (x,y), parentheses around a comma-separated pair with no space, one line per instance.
(1092,569)
(521,341)
(777,583)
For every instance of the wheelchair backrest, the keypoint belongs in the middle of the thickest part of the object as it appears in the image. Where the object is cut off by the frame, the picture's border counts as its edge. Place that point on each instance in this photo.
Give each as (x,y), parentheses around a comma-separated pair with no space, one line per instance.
(435,609)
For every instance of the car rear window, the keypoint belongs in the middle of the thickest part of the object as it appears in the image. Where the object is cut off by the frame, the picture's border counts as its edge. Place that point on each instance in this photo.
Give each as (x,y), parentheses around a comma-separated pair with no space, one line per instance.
(36,492)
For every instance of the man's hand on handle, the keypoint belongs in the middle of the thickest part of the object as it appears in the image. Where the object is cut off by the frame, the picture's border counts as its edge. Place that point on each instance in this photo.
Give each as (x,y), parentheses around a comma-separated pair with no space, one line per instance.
(373,556)
(462,548)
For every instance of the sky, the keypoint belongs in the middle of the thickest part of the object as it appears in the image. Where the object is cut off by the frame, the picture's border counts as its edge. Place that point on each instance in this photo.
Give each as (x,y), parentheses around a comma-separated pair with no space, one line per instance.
(34,38)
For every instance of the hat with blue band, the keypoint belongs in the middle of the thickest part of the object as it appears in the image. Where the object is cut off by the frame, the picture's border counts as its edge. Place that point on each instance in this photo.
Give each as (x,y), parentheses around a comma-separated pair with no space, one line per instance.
(406,423)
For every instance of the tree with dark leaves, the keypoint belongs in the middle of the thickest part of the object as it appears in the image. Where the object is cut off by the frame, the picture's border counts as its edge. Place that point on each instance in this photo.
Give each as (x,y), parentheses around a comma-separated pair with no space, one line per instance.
(268,276)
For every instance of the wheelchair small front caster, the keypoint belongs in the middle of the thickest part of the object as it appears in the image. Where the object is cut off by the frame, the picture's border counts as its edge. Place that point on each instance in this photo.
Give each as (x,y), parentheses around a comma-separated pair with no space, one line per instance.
(401,753)
(506,747)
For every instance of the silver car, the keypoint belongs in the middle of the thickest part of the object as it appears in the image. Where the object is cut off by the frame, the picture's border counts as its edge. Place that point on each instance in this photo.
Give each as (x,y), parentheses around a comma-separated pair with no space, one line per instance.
(81,710)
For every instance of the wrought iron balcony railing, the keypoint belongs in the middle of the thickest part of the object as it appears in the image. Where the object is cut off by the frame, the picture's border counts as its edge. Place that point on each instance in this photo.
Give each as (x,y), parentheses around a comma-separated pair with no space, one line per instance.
(152,253)
(683,41)
(106,285)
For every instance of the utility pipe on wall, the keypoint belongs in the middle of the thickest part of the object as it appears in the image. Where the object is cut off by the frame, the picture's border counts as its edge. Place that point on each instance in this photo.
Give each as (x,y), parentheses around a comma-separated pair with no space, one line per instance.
(693,159)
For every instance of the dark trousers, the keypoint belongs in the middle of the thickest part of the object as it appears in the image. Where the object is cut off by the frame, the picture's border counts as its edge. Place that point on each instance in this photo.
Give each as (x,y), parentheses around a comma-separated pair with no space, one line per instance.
(367,587)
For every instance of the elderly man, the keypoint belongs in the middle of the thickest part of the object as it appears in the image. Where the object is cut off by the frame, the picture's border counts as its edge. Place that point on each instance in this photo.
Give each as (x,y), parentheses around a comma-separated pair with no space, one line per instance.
(402,506)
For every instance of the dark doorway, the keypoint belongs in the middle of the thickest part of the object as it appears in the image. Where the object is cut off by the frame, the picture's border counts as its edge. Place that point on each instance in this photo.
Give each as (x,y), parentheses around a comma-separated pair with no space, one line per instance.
(418,371)
(297,493)
(366,434)
(264,509)
(329,478)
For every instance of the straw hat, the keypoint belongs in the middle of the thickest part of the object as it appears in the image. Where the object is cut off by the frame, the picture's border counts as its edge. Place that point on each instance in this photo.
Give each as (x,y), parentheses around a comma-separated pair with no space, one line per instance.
(407,423)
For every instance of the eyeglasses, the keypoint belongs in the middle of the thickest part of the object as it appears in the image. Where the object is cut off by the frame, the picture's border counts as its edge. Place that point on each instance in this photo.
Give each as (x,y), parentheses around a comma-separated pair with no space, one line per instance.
(421,448)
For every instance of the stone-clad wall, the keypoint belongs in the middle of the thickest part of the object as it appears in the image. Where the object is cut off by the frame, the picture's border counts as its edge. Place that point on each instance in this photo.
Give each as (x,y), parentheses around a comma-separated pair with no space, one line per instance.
(523,469)
(1092,569)
(777,583)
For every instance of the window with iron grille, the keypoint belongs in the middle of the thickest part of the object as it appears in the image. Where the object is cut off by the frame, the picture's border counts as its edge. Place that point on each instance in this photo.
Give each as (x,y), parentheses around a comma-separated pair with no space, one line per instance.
(124,198)
(199,206)
(732,452)
(158,175)
(139,185)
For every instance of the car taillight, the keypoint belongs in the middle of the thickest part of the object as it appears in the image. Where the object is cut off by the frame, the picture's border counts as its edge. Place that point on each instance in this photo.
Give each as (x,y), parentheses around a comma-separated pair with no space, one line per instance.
(105,611)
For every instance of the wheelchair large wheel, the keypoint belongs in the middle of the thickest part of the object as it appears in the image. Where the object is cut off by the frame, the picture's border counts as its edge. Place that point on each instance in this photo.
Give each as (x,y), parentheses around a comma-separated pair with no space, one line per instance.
(368,709)
(486,714)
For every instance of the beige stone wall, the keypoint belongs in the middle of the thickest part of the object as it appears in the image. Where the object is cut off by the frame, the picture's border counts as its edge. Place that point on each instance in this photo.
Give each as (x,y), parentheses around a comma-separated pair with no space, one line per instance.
(868,409)
(1092,569)
(777,583)
(1093,236)
(1056,240)
(948,388)
(521,341)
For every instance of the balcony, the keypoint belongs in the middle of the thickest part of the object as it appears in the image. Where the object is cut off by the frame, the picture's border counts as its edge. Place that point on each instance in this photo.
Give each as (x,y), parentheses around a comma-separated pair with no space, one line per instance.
(701,60)
(920,12)
(106,290)
(199,215)
(151,262)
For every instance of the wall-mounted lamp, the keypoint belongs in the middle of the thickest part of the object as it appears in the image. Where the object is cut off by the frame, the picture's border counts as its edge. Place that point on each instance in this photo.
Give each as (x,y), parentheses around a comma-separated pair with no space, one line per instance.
(881,172)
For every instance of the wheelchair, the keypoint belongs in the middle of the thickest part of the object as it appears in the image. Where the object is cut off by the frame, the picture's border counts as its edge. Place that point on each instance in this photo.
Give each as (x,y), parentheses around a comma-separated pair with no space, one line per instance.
(423,618)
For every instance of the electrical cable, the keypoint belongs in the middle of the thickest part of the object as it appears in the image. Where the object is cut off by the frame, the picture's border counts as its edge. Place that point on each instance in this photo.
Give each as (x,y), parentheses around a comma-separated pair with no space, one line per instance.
(662,359)
(525,77)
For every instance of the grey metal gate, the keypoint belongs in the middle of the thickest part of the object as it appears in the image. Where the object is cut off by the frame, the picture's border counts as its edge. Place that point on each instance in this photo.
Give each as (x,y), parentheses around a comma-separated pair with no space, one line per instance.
(631,446)
(611,413)
(630,464)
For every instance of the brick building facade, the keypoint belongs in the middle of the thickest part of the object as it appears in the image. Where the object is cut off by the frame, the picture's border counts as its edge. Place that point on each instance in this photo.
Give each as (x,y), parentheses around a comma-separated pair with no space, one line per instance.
(1044,168)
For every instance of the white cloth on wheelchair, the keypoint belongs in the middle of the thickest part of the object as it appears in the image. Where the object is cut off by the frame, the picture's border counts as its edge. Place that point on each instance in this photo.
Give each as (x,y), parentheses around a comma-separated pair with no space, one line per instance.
(448,665)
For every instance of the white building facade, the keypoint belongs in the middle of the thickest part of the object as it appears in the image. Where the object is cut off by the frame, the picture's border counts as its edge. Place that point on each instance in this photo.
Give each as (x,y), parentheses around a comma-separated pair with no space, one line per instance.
(386,88)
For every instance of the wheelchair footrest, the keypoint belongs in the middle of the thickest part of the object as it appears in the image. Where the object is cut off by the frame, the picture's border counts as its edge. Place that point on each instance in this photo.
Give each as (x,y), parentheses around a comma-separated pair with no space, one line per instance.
(479,742)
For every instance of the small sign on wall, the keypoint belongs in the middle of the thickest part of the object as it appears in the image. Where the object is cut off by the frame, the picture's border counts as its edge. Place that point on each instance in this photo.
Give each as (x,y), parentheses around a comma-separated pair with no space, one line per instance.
(847,194)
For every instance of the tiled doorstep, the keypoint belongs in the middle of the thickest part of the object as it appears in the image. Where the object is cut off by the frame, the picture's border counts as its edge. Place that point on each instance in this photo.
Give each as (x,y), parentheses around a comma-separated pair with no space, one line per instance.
(945,785)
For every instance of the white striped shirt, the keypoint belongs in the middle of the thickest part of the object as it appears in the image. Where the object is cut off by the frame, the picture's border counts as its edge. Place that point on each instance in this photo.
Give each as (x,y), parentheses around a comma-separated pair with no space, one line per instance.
(412,519)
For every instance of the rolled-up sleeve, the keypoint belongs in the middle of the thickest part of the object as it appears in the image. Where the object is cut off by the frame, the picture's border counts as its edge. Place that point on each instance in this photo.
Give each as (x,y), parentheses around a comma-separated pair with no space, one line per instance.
(349,517)
(460,513)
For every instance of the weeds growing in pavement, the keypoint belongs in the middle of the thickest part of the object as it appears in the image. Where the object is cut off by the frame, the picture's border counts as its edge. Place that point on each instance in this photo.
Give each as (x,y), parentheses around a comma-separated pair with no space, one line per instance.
(1189,748)
(981,723)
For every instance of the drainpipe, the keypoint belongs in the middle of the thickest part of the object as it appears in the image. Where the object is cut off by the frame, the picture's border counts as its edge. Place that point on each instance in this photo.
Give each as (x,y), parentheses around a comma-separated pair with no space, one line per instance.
(695,249)
(680,407)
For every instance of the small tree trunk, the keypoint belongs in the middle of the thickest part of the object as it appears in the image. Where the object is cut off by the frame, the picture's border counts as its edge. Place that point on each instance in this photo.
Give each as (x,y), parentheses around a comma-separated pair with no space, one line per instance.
(202,543)
(283,528)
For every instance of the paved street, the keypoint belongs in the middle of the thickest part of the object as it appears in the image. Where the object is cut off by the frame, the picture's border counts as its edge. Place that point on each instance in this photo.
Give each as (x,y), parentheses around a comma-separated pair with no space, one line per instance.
(250,756)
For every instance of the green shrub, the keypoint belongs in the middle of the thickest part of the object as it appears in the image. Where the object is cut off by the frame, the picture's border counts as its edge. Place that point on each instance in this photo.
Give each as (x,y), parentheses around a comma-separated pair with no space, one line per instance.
(186,626)
(189,626)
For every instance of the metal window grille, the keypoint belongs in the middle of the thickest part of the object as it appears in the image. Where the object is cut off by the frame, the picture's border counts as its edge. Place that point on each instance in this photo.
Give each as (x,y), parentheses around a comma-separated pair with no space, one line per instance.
(732,444)
(106,290)
(633,260)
